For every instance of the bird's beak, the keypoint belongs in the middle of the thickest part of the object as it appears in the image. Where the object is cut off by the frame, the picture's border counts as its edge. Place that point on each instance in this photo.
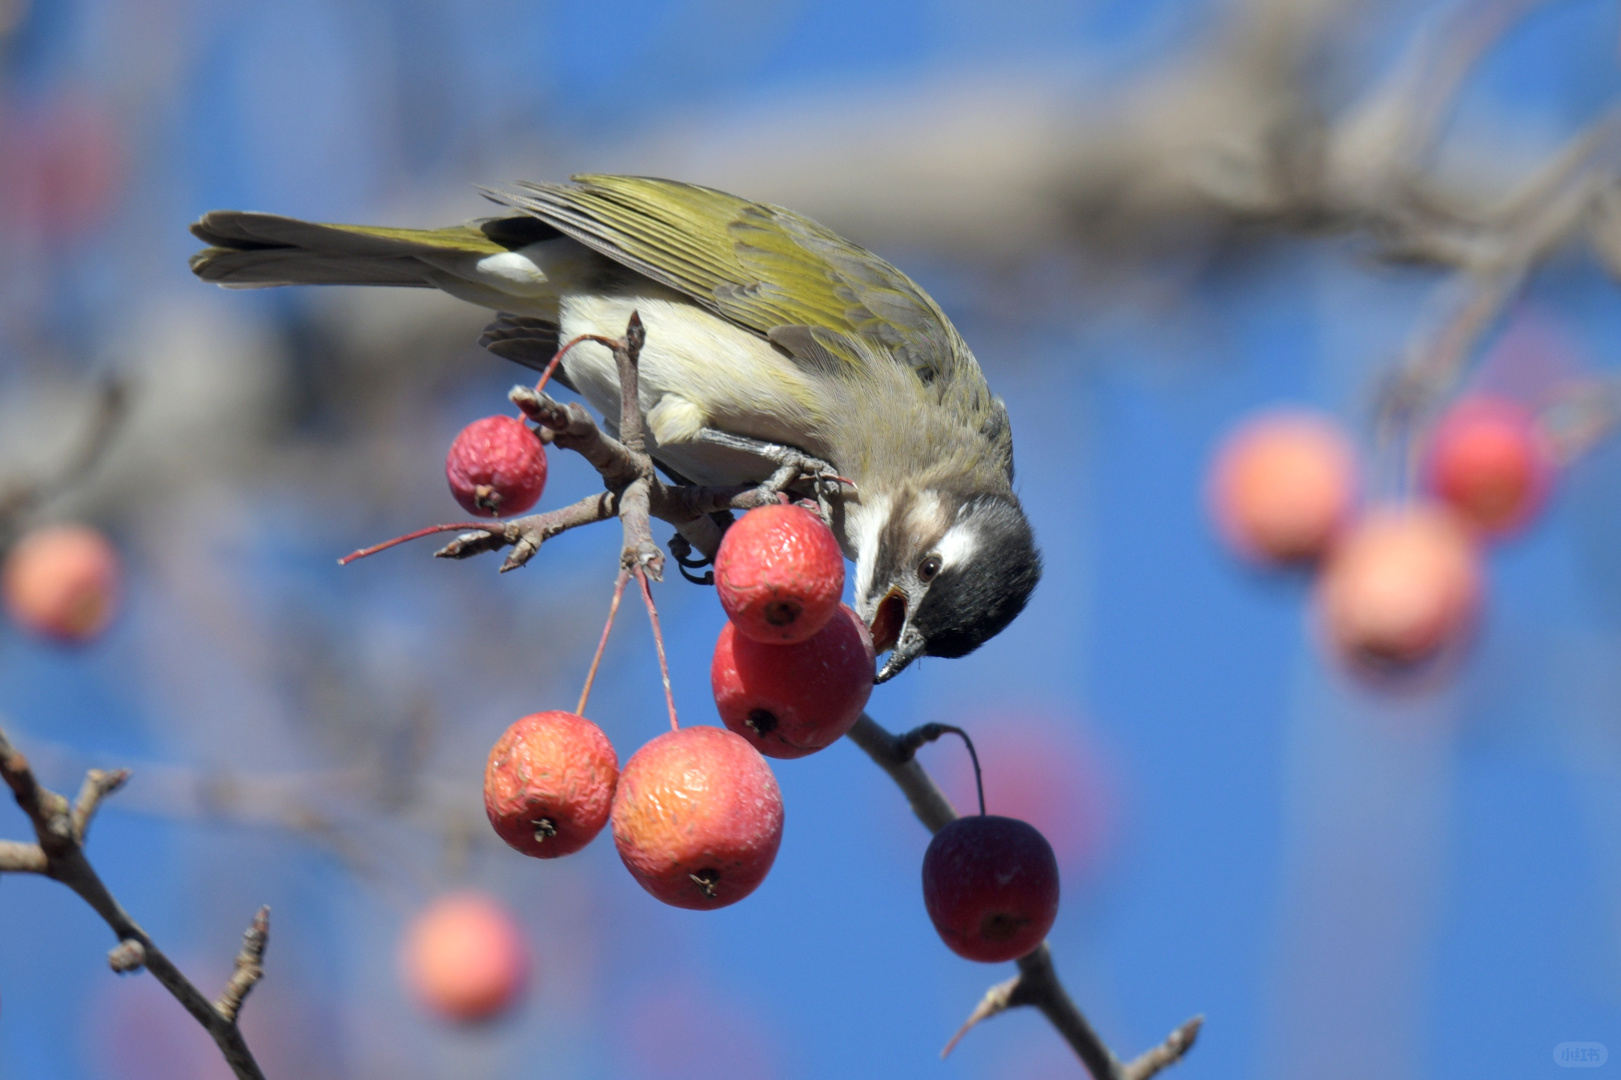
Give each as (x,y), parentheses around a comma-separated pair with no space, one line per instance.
(892,630)
(888,620)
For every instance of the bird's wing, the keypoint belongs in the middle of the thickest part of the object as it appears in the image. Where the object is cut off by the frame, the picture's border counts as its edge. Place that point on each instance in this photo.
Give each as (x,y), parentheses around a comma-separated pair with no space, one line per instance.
(765,268)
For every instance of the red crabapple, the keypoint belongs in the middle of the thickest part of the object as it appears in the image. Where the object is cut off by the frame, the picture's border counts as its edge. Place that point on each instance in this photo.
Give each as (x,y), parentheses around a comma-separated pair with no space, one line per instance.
(698,817)
(549,784)
(991,887)
(464,957)
(62,582)
(496,467)
(792,700)
(1489,460)
(779,573)
(1400,588)
(1282,485)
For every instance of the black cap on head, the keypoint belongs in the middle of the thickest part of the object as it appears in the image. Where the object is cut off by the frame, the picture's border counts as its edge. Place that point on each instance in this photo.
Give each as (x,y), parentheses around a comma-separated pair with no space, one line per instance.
(987,582)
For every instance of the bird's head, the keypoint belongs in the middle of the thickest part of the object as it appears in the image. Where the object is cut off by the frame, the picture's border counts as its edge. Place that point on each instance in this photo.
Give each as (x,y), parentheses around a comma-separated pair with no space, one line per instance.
(938,573)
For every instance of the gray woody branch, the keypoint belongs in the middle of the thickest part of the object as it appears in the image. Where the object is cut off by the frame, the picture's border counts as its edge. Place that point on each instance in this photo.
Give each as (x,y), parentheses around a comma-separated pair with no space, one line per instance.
(1037,982)
(60,829)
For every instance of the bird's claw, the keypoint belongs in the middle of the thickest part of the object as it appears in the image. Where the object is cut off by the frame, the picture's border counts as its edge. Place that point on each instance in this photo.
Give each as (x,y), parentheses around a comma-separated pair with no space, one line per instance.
(681,551)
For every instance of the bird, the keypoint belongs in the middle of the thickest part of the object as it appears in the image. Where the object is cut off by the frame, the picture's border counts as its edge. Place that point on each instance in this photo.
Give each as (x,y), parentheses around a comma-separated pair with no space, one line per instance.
(767,333)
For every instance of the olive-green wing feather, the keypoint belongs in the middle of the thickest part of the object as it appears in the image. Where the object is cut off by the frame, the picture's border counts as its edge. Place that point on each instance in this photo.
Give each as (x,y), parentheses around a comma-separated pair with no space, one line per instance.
(763,267)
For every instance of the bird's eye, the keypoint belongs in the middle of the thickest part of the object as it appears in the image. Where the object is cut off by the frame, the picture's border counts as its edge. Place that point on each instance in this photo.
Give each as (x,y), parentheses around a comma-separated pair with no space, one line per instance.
(929,567)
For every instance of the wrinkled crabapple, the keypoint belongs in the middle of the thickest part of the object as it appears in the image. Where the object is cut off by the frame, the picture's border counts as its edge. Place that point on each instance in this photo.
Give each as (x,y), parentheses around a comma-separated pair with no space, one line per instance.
(1283,485)
(779,573)
(496,467)
(792,700)
(62,582)
(697,817)
(464,957)
(1490,461)
(549,784)
(1401,587)
(990,885)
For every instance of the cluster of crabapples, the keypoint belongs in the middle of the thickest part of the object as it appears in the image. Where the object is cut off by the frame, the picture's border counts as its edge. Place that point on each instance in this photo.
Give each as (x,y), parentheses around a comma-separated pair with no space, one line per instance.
(696,813)
(1400,583)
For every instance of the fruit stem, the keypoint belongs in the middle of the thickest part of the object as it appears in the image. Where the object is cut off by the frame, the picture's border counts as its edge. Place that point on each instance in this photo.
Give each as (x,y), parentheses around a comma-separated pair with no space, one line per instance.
(551,367)
(658,642)
(482,526)
(979,782)
(613,609)
(906,747)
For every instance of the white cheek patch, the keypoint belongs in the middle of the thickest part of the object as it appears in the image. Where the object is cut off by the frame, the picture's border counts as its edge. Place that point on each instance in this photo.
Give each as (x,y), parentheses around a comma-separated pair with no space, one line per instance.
(865,522)
(957,546)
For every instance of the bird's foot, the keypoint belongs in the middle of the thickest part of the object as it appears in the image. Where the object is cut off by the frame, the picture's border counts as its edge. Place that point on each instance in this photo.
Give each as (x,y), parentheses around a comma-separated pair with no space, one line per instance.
(794,467)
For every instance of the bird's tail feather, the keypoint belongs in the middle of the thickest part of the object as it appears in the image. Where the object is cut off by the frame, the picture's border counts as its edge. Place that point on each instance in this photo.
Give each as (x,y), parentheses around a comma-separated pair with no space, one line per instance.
(250,250)
(524,340)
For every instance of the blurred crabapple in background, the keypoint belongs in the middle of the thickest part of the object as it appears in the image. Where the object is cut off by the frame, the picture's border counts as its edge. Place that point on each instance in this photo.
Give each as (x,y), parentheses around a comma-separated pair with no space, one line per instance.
(60,174)
(779,573)
(990,885)
(464,958)
(1403,587)
(789,700)
(496,467)
(697,817)
(549,784)
(1490,461)
(1283,485)
(62,582)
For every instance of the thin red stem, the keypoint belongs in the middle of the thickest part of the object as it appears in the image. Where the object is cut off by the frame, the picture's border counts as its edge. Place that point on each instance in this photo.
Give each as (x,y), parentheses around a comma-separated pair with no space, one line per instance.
(551,367)
(482,526)
(658,642)
(613,609)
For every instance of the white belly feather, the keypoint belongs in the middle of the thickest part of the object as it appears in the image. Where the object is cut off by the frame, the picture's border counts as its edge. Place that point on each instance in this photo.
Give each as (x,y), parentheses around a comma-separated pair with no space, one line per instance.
(697,371)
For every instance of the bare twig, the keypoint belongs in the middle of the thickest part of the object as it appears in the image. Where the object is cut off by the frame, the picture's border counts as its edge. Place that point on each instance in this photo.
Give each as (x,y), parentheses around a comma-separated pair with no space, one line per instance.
(1037,982)
(58,853)
(249,966)
(97,786)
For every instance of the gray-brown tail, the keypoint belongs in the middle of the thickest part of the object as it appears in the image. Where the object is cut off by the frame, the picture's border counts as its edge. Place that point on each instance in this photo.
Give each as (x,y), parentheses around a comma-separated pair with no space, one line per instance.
(249,250)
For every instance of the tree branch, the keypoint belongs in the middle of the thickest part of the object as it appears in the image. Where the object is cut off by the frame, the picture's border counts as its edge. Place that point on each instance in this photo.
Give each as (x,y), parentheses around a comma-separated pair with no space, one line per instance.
(60,829)
(112,406)
(1037,982)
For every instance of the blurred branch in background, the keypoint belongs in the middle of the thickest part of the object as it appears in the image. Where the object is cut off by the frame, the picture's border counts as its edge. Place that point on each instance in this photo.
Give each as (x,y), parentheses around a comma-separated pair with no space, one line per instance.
(60,829)
(1228,135)
(1228,142)
(20,496)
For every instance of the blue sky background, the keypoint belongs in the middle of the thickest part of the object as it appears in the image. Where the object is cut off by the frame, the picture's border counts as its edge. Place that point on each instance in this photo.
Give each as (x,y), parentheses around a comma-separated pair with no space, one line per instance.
(1346,884)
